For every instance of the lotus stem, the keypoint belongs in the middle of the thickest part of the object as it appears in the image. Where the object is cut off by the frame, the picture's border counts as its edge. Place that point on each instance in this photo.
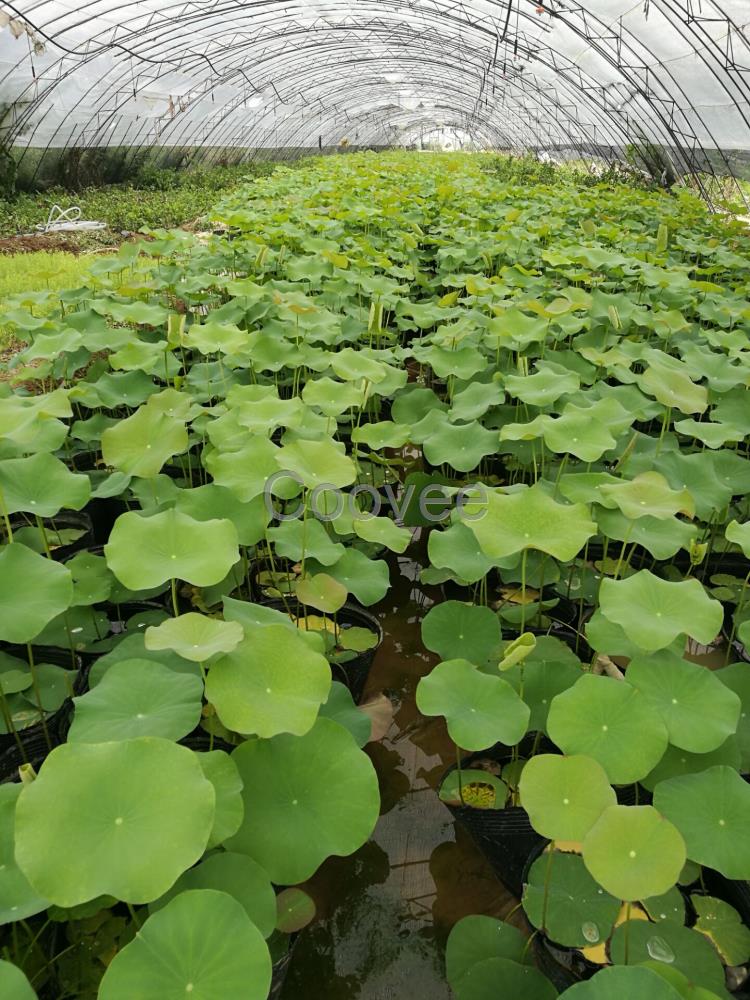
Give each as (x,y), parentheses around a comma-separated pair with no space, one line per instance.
(740,606)
(37,694)
(43,533)
(523,589)
(626,932)
(460,776)
(175,604)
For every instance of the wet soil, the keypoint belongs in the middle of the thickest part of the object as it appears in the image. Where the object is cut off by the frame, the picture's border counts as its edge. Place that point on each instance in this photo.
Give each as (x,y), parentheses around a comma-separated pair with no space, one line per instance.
(385,912)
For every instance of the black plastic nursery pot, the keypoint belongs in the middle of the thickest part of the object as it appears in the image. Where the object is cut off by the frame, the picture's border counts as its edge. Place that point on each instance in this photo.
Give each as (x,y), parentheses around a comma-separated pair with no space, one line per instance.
(64,521)
(504,836)
(281,970)
(354,672)
(55,727)
(35,751)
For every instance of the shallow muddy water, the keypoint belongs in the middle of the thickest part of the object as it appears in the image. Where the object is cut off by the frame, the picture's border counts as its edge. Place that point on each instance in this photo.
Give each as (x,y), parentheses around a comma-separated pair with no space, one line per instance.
(385,912)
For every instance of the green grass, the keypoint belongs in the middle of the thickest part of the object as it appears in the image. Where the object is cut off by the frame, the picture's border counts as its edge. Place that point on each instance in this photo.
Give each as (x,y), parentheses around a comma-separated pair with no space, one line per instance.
(158,199)
(37,272)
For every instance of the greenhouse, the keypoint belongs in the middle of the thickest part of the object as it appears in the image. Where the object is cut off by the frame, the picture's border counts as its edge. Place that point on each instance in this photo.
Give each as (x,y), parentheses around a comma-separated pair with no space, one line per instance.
(375,500)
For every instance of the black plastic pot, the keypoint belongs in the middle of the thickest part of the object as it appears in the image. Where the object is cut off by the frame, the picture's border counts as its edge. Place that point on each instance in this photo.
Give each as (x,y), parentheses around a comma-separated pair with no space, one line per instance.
(103,513)
(354,672)
(57,723)
(505,836)
(35,752)
(78,520)
(281,970)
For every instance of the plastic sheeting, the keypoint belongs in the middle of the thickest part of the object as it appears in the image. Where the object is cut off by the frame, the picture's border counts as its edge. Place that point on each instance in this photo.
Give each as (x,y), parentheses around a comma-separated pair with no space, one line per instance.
(583,77)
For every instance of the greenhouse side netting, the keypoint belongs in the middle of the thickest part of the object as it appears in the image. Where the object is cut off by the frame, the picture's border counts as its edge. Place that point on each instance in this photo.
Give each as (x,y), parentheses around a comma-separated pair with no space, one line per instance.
(663,83)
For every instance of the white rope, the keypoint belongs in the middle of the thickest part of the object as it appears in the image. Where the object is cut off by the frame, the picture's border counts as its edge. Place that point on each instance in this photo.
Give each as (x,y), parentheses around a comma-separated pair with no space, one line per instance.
(67,221)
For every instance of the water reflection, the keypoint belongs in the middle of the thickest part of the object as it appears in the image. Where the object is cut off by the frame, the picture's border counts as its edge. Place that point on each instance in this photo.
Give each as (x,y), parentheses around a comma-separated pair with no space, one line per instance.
(385,912)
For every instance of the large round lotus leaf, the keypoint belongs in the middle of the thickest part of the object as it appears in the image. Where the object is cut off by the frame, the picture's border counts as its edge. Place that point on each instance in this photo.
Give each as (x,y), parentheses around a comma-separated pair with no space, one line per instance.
(138,698)
(195,637)
(367,579)
(480,710)
(621,982)
(723,926)
(33,591)
(139,812)
(542,681)
(317,463)
(41,485)
(202,945)
(654,612)
(649,494)
(385,434)
(505,523)
(141,444)
(677,762)
(272,683)
(331,397)
(131,647)
(462,447)
(578,914)
(382,531)
(457,549)
(306,798)
(610,721)
(321,592)
(205,503)
(13,983)
(247,472)
(700,712)
(633,852)
(475,939)
(455,630)
(147,551)
(712,812)
(214,337)
(499,977)
(222,772)
(340,708)
(675,946)
(564,796)
(17,898)
(305,539)
(238,876)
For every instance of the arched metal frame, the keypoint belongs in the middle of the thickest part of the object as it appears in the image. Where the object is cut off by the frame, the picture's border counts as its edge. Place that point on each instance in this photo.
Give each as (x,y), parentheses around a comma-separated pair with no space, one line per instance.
(333,69)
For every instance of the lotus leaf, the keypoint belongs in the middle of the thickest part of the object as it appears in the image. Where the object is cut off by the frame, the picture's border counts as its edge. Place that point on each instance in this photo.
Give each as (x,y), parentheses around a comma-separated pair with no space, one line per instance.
(138,698)
(273,682)
(480,710)
(202,943)
(139,811)
(654,611)
(194,637)
(612,722)
(633,852)
(712,812)
(148,551)
(564,796)
(306,797)
(33,591)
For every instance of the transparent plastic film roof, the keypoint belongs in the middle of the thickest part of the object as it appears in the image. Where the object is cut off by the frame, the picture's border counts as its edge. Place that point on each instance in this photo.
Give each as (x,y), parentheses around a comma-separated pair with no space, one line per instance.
(211,77)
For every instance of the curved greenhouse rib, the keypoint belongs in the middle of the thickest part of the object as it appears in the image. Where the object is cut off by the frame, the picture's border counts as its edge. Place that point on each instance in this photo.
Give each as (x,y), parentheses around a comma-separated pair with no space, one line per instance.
(592,79)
